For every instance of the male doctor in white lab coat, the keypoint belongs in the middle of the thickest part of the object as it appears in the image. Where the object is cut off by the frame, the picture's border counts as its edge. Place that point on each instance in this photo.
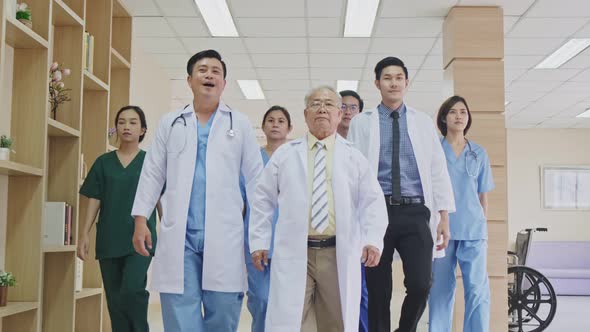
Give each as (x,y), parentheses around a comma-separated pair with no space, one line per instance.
(403,149)
(199,152)
(332,216)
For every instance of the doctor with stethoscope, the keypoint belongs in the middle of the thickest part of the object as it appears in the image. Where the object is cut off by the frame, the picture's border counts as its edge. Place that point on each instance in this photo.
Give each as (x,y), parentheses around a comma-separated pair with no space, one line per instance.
(199,153)
(471,177)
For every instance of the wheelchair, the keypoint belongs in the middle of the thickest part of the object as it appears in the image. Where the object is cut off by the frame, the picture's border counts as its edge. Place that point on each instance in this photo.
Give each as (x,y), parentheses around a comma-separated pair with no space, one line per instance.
(531,299)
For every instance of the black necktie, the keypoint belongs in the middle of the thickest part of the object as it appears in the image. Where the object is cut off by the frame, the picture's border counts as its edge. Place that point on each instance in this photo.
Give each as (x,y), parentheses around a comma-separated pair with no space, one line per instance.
(396,191)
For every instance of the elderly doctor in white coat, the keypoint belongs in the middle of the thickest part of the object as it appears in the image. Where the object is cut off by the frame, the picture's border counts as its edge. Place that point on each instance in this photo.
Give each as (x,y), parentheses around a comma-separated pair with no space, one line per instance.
(403,149)
(198,154)
(332,216)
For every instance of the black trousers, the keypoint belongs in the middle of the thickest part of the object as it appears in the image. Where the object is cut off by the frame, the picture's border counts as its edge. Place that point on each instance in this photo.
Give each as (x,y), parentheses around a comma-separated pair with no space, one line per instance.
(408,233)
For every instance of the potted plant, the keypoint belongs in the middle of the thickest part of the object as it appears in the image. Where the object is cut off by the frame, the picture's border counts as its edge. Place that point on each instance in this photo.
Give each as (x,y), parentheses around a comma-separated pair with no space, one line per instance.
(58,94)
(23,14)
(6,280)
(5,145)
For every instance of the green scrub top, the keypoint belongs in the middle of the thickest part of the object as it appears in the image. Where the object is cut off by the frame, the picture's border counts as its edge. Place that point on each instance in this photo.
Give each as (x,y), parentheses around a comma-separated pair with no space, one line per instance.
(115,186)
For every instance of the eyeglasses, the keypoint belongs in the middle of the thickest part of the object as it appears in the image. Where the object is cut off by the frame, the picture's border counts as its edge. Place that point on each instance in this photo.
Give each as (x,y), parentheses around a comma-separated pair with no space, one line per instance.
(328,105)
(351,107)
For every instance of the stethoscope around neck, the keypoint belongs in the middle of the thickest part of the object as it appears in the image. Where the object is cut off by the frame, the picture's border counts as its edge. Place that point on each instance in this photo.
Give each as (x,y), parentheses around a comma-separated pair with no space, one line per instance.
(470,154)
(230,132)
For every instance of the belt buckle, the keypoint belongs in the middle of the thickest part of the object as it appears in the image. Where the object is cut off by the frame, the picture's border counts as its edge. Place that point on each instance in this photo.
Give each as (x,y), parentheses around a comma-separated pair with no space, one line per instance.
(394,202)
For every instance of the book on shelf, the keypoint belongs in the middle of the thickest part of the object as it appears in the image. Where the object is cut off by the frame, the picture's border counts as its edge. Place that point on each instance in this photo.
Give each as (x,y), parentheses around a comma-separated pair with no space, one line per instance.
(88,51)
(57,224)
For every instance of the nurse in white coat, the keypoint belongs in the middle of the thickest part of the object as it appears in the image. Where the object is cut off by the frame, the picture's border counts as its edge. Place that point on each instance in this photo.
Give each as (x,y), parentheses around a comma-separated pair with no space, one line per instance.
(332,216)
(403,149)
(199,153)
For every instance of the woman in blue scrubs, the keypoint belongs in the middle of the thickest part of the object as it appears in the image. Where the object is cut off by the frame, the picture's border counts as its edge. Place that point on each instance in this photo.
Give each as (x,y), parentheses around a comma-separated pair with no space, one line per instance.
(471,177)
(276,125)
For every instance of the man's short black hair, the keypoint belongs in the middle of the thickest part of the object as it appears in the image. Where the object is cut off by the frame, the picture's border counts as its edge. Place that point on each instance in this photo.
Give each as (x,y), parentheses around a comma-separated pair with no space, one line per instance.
(389,61)
(205,54)
(350,93)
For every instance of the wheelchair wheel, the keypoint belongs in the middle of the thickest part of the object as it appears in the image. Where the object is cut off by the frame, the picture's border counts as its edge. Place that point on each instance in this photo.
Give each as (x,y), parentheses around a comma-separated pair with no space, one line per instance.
(531,300)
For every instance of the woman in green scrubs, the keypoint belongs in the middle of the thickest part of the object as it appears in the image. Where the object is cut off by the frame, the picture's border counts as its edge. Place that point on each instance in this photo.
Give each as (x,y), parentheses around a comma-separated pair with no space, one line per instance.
(110,187)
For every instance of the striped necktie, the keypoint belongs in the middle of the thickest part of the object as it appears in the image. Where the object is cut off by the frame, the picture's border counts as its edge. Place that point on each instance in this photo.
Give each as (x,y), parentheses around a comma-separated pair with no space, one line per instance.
(319,196)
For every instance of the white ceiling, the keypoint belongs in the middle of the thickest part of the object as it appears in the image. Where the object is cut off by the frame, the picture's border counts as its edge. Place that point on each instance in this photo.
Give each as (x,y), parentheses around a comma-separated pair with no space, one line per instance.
(292,45)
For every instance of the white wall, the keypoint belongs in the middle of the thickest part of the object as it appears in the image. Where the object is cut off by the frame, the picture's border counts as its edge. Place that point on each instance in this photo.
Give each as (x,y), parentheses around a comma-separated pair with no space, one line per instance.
(528,150)
(150,89)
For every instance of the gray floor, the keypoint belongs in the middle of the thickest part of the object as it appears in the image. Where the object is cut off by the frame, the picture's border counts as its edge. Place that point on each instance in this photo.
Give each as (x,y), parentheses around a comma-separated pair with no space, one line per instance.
(573,314)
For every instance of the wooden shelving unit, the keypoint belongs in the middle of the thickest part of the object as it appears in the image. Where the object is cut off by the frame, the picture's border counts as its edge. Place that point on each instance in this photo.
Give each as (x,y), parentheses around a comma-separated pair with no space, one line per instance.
(47,162)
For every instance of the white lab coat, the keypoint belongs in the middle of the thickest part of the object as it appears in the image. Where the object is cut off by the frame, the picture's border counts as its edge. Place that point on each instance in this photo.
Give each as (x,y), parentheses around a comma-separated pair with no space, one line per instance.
(283,184)
(171,159)
(432,165)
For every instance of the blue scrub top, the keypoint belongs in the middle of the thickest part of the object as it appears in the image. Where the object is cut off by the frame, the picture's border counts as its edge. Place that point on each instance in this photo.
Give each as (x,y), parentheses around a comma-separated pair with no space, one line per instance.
(195,227)
(471,174)
(265,159)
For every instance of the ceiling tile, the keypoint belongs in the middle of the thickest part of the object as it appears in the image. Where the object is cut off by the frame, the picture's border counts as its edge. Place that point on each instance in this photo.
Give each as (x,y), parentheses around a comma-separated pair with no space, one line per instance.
(271,27)
(582,77)
(584,33)
(171,60)
(398,46)
(160,45)
(151,27)
(509,22)
(412,62)
(338,45)
(236,60)
(324,27)
(180,89)
(266,8)
(222,45)
(522,61)
(240,74)
(142,8)
(337,60)
(522,94)
(422,86)
(510,7)
(189,26)
(409,27)
(532,86)
(574,110)
(428,75)
(178,73)
(332,74)
(178,8)
(433,62)
(286,95)
(285,85)
(546,27)
(578,62)
(583,123)
(543,75)
(280,60)
(276,45)
(326,8)
(561,8)
(283,73)
(531,46)
(423,8)
(512,74)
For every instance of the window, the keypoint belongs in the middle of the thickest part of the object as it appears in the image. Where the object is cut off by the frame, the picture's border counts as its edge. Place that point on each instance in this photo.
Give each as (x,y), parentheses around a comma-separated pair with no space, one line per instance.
(566,187)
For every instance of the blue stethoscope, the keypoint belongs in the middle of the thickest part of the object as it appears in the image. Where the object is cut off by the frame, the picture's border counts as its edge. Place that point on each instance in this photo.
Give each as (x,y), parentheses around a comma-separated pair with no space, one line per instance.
(230,132)
(471,160)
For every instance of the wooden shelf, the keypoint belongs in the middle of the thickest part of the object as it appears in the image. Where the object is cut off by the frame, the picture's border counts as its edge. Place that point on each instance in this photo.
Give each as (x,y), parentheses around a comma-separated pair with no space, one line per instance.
(13,308)
(63,16)
(58,129)
(93,83)
(58,248)
(87,292)
(16,169)
(20,36)
(118,61)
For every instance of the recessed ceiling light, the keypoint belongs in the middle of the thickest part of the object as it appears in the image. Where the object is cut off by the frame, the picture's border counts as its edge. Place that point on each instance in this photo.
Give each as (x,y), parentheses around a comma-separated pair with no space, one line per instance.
(585,114)
(569,50)
(342,85)
(251,89)
(360,17)
(217,17)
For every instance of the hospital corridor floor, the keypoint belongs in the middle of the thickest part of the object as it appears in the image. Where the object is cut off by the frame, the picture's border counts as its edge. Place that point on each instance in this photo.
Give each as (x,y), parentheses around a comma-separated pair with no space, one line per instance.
(572,315)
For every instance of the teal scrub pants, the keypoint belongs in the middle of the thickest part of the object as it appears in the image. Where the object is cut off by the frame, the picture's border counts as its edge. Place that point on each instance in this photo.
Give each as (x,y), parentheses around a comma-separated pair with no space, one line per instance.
(124,280)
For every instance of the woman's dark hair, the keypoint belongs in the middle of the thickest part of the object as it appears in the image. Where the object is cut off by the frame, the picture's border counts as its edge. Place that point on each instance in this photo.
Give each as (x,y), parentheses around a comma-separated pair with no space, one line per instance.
(277,108)
(139,112)
(389,61)
(444,109)
(202,55)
